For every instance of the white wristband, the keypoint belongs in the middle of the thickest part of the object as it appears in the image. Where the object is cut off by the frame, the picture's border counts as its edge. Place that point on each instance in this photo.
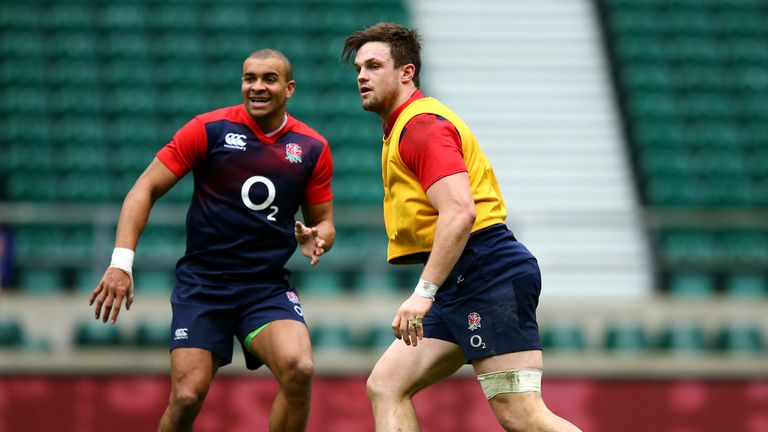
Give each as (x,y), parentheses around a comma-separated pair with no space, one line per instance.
(122,258)
(426,289)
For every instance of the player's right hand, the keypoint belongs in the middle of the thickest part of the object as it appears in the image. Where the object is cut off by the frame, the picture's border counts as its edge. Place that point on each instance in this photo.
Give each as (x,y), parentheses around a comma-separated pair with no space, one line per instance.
(115,286)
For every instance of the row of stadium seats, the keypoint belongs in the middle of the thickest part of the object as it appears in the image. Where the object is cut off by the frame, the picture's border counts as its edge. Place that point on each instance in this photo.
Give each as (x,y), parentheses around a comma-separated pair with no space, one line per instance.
(705,247)
(161,245)
(154,282)
(650,135)
(735,285)
(235,17)
(644,18)
(626,337)
(676,338)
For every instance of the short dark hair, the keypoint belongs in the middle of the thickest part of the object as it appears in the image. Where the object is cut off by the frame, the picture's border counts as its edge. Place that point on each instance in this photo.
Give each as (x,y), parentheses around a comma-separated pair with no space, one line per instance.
(405,44)
(275,54)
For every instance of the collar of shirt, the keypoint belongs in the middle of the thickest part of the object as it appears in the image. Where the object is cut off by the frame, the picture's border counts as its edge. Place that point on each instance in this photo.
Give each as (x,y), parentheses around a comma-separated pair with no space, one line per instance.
(393,117)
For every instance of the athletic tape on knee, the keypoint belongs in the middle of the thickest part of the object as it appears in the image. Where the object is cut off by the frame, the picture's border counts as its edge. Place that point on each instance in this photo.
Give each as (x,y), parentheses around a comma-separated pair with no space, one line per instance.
(510,381)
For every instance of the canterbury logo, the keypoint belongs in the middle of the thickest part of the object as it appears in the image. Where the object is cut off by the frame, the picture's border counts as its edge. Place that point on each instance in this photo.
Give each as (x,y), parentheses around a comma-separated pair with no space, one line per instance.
(181,333)
(235,141)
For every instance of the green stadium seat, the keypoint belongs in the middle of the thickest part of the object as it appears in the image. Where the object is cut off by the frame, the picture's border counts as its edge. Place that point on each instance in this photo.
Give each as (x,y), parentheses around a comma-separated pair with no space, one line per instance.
(86,280)
(178,45)
(683,338)
(377,338)
(70,16)
(96,334)
(153,282)
(41,281)
(22,44)
(69,71)
(691,285)
(563,336)
(123,16)
(153,334)
(21,15)
(747,286)
(71,44)
(318,281)
(11,333)
(23,72)
(688,246)
(131,71)
(331,337)
(740,339)
(24,100)
(745,246)
(83,100)
(173,17)
(626,338)
(234,19)
(378,281)
(126,46)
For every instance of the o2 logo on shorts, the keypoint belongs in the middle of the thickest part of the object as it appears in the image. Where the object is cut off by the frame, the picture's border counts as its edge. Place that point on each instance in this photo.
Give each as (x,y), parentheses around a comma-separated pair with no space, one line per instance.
(477,342)
(298,310)
(245,191)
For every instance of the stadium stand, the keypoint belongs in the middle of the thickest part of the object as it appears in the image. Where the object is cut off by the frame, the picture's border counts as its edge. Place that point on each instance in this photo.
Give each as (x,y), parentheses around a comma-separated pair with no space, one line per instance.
(692,80)
(89,91)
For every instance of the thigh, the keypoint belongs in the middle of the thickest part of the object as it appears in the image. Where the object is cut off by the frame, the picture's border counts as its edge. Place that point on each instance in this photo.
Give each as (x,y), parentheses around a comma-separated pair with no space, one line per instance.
(280,318)
(282,344)
(208,327)
(193,368)
(409,369)
(531,359)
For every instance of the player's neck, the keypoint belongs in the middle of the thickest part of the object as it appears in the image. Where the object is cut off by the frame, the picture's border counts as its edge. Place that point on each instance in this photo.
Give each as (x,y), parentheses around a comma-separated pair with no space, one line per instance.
(271,127)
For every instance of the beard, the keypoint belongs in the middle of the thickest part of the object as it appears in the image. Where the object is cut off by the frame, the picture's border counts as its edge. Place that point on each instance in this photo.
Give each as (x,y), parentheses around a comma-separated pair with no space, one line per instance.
(372,104)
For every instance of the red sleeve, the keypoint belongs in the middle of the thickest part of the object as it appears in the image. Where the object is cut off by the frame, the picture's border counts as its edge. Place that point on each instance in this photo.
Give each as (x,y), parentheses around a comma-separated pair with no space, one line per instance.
(319,186)
(431,148)
(187,148)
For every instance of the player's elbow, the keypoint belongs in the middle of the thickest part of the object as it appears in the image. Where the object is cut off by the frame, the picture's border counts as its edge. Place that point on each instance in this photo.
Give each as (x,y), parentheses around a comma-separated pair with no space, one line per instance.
(465,217)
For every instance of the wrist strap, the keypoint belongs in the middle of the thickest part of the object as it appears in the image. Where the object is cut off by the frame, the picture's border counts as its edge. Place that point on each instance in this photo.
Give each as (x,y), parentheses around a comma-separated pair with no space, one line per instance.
(426,289)
(122,258)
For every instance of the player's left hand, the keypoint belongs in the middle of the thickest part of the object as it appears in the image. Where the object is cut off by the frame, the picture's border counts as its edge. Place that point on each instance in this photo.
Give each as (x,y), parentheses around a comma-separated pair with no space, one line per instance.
(407,324)
(310,243)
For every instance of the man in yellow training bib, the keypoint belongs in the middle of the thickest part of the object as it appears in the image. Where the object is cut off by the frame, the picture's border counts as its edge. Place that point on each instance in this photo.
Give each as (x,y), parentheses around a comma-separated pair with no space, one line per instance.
(477,296)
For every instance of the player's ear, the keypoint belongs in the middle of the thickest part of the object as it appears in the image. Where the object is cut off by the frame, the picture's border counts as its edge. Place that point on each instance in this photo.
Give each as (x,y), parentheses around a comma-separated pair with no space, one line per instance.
(407,73)
(290,87)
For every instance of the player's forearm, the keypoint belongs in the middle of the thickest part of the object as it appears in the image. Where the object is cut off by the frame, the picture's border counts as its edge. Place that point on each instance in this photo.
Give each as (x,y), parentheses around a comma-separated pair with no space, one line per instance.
(451,235)
(133,217)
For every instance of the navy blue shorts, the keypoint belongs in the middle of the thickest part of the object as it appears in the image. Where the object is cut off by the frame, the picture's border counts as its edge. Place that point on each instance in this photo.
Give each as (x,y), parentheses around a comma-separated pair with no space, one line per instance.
(487,305)
(211,317)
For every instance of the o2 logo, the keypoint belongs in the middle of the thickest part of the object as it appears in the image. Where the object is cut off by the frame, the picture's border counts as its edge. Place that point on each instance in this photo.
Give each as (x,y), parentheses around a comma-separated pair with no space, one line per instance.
(244,192)
(477,342)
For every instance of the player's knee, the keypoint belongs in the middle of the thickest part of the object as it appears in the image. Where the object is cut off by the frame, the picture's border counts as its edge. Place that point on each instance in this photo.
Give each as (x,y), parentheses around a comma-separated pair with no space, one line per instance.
(519,411)
(297,372)
(188,399)
(380,387)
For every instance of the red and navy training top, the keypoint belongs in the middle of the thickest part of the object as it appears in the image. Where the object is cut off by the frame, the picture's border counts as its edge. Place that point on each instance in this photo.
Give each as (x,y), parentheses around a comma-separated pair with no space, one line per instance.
(247,188)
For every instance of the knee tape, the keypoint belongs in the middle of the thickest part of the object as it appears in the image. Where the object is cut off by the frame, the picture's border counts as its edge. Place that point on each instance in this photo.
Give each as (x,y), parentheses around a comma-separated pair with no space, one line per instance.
(510,381)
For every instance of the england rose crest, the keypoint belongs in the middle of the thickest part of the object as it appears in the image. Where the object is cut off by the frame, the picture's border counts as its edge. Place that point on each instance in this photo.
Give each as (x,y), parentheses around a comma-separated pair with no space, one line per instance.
(474,321)
(292,297)
(293,153)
